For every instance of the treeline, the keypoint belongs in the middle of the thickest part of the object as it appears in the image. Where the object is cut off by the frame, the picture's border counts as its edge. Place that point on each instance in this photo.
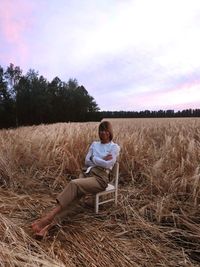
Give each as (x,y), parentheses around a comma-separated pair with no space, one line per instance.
(31,99)
(151,114)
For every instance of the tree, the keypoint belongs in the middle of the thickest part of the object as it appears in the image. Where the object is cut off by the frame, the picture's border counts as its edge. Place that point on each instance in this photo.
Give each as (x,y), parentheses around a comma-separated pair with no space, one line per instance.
(12,76)
(56,97)
(6,103)
(80,103)
(38,95)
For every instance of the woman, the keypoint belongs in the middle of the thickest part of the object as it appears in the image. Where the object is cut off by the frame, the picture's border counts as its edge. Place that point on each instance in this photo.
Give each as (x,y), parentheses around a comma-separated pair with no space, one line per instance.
(99,160)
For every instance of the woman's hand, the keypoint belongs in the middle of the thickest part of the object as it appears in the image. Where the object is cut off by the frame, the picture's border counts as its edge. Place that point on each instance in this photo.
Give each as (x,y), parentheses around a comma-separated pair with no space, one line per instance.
(108,157)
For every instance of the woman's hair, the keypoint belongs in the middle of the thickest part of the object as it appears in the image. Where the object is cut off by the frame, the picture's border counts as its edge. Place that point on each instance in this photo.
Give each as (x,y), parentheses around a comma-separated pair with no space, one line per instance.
(106,125)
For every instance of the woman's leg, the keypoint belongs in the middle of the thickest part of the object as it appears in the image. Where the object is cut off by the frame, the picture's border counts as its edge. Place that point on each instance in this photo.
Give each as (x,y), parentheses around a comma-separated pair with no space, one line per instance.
(69,193)
(75,189)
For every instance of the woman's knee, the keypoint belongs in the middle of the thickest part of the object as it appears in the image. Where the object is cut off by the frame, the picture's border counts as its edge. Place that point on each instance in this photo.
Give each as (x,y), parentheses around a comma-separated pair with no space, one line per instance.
(76,187)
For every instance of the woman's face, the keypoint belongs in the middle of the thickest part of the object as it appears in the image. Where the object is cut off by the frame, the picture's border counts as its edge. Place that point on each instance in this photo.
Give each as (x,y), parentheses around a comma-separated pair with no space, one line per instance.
(104,136)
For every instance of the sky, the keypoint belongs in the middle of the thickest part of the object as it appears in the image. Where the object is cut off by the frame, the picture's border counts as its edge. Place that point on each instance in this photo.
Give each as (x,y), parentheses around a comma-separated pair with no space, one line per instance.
(129,54)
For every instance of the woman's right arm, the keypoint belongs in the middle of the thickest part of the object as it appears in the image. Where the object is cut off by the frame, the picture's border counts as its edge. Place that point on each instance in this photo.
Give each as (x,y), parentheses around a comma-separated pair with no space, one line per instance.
(88,158)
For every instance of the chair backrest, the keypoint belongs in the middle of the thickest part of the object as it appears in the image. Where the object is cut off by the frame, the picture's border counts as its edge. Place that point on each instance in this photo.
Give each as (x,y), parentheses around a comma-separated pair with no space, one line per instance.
(115,175)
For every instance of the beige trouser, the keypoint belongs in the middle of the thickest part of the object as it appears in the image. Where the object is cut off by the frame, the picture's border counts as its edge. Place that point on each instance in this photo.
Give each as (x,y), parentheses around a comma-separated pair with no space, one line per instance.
(75,189)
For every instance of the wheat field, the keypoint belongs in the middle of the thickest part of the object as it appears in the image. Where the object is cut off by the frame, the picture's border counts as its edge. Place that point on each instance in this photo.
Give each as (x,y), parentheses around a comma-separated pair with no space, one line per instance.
(156,222)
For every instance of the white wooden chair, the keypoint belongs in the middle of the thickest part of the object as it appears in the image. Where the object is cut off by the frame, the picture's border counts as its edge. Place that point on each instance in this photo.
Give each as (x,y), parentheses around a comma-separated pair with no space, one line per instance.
(111,190)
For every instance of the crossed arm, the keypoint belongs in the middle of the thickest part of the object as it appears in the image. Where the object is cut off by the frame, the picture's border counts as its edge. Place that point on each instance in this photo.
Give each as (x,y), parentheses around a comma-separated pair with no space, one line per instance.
(106,162)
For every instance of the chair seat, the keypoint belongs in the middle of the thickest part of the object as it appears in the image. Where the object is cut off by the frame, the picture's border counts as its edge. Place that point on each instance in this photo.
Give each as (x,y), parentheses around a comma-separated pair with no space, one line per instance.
(110,187)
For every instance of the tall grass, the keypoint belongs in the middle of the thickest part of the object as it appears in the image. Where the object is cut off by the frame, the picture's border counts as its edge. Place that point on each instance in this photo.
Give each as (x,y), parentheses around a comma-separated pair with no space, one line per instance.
(156,222)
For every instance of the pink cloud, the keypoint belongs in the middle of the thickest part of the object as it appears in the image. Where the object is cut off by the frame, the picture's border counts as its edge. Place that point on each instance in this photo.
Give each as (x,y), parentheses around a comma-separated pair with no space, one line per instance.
(186,105)
(190,83)
(184,96)
(14,21)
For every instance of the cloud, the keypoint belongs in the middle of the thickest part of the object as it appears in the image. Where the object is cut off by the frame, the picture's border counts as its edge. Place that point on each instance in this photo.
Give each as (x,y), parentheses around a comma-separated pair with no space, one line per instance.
(132,54)
(15,21)
(186,96)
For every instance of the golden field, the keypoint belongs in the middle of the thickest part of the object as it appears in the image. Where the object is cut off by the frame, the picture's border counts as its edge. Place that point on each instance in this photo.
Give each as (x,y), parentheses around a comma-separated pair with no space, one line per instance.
(156,222)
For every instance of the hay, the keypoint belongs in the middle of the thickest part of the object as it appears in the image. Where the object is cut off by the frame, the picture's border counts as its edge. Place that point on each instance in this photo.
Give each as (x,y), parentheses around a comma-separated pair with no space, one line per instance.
(156,222)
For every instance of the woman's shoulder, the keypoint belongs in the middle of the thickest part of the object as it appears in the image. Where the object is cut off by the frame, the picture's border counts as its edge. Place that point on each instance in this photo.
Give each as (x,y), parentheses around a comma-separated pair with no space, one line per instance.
(95,143)
(115,145)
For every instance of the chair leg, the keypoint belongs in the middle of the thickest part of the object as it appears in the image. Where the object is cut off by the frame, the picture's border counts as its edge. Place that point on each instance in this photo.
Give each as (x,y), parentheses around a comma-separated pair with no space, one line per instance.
(116,193)
(96,204)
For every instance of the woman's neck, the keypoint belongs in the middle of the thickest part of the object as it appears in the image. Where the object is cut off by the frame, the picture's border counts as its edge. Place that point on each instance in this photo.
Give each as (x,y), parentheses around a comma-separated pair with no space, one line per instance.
(105,142)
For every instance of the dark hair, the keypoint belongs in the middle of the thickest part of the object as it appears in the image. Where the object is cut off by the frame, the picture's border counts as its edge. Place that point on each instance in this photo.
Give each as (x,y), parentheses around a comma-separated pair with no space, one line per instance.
(106,125)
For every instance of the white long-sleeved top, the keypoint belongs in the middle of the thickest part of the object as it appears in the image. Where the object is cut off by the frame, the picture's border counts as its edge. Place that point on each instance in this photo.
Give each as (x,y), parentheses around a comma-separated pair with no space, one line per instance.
(97,151)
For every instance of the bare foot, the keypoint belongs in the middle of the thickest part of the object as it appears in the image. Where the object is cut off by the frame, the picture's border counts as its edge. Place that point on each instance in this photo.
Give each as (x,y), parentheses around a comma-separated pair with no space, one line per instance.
(39,224)
(44,231)
(46,221)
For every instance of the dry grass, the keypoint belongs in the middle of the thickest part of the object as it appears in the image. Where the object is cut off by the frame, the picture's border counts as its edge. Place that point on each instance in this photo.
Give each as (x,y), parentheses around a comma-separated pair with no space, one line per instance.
(157,221)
